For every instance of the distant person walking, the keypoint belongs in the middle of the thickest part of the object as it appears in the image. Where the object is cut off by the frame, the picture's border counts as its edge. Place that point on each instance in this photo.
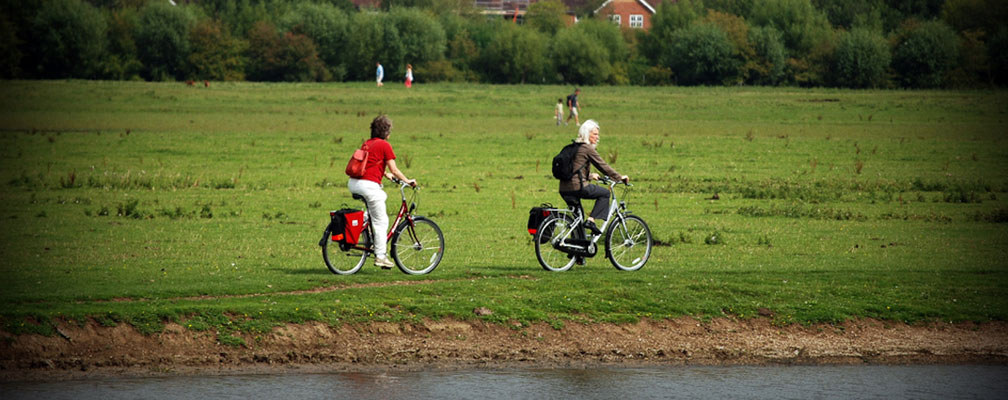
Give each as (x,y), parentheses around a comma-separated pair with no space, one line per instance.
(380,74)
(575,108)
(409,75)
(559,112)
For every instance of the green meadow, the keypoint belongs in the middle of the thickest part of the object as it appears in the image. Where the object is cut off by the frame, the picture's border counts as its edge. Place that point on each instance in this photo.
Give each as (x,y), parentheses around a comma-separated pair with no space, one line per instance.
(144,203)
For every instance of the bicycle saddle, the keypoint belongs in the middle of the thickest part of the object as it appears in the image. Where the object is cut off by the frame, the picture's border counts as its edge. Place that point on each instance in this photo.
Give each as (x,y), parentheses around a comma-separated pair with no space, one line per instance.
(358,197)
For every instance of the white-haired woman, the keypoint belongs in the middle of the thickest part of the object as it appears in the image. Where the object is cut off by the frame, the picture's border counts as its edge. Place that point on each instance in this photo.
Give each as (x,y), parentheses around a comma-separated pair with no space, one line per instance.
(578,186)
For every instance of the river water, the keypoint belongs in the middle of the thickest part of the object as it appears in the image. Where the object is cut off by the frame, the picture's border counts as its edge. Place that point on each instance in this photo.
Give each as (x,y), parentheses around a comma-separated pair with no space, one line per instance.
(662,382)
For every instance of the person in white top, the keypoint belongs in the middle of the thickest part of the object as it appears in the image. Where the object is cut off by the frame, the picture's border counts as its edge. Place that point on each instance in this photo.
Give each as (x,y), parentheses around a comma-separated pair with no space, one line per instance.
(409,75)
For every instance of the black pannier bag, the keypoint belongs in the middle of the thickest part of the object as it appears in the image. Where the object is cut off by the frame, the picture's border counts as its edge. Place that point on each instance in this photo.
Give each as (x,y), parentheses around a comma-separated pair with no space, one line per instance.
(339,228)
(536,217)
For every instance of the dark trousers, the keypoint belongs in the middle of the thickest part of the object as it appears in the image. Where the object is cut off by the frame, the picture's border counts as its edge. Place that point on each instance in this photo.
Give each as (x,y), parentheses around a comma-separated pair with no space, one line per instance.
(601,195)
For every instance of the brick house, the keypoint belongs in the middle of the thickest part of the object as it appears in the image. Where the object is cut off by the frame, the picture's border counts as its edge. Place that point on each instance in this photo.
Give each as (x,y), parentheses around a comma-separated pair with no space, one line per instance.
(634,14)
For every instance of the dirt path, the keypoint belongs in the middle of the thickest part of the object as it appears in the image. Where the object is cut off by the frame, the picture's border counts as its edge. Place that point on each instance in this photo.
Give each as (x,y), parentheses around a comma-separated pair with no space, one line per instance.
(97,350)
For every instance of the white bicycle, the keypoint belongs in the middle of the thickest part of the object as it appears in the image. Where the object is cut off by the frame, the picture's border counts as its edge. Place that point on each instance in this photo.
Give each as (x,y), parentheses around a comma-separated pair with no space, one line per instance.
(561,239)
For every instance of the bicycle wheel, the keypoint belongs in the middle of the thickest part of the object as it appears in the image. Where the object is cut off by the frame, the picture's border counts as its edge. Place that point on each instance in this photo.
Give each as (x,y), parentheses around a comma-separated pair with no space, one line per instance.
(345,262)
(628,244)
(417,249)
(551,258)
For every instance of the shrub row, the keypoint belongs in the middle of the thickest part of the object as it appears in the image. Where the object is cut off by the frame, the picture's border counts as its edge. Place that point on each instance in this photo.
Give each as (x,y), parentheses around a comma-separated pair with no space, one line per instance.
(864,43)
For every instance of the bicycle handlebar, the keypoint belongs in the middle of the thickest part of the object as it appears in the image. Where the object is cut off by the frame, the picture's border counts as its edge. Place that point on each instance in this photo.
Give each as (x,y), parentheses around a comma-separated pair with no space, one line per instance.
(609,181)
(401,183)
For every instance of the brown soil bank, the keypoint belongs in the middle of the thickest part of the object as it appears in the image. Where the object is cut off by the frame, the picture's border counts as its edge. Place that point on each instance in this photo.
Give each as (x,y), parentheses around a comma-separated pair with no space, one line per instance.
(93,349)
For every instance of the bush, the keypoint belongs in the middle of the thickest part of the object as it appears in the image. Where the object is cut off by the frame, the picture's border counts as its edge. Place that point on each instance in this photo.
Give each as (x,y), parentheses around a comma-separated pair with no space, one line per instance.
(701,55)
(215,54)
(860,59)
(162,40)
(67,39)
(924,53)
(283,57)
(443,71)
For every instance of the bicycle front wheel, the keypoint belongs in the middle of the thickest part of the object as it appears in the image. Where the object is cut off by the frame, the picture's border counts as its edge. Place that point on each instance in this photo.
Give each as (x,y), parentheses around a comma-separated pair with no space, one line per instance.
(417,249)
(345,262)
(550,232)
(628,244)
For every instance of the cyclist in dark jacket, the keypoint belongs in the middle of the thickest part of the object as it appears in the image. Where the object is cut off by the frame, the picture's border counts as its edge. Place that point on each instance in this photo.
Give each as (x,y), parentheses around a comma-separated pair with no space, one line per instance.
(578,186)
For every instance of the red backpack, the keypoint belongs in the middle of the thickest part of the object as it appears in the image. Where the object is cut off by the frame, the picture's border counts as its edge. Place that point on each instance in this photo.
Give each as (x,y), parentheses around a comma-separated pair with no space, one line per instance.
(358,162)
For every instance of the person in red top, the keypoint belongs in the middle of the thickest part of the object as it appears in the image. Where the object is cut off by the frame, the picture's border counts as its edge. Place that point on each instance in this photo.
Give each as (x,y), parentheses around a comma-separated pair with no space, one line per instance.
(380,156)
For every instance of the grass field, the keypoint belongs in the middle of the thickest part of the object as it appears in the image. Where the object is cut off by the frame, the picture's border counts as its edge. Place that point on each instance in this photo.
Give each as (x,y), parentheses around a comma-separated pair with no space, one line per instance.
(151,202)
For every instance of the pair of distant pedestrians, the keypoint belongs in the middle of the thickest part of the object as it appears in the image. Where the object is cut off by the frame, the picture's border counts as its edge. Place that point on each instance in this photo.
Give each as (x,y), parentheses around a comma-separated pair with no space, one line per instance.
(572,105)
(380,75)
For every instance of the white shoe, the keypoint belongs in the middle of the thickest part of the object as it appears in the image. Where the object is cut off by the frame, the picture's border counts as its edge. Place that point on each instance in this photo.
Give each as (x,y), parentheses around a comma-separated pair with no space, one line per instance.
(384,263)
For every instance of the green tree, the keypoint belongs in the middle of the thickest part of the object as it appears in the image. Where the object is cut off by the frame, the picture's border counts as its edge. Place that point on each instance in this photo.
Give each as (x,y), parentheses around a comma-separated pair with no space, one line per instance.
(670,17)
(216,55)
(422,37)
(860,59)
(516,55)
(67,39)
(985,16)
(122,62)
(701,54)
(10,53)
(737,31)
(608,35)
(924,53)
(373,38)
(848,14)
(547,16)
(770,58)
(802,25)
(162,40)
(580,58)
(997,50)
(328,26)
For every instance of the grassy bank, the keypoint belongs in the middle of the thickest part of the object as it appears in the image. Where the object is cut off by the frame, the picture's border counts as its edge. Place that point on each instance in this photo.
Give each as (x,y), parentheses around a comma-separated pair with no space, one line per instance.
(149,202)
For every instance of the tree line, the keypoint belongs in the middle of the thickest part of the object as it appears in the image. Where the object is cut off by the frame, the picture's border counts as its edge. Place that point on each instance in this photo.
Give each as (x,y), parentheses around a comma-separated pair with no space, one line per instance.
(836,43)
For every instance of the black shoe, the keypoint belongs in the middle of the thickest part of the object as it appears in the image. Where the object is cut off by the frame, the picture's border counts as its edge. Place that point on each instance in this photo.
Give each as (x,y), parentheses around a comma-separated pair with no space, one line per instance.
(589,225)
(579,261)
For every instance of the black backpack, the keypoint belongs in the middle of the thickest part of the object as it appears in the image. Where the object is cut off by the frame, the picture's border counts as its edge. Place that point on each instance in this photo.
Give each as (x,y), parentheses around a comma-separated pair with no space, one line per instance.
(563,163)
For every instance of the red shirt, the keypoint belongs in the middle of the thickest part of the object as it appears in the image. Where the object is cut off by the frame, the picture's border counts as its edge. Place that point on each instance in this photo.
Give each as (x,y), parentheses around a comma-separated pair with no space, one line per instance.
(379,151)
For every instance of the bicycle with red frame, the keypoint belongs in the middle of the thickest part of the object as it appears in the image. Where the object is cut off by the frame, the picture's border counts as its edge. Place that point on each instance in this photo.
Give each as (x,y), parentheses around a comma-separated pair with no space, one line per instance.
(416,244)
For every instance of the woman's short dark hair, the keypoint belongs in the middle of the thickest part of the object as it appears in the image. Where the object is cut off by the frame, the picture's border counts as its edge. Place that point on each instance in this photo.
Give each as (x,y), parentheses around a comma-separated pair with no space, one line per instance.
(380,127)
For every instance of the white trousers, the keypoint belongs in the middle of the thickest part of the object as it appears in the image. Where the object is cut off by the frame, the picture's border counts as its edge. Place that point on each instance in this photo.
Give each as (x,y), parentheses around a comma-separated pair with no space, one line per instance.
(375,197)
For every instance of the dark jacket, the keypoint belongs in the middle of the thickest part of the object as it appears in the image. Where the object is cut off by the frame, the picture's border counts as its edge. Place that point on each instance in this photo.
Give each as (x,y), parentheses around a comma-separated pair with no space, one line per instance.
(585,154)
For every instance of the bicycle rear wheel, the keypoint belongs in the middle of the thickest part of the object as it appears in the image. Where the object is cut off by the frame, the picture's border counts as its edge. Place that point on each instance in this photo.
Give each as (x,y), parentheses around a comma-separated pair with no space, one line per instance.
(628,244)
(417,249)
(345,262)
(551,231)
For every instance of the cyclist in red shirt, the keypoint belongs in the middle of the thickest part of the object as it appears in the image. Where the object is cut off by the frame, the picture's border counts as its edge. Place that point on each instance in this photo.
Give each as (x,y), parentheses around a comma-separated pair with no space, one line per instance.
(380,156)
